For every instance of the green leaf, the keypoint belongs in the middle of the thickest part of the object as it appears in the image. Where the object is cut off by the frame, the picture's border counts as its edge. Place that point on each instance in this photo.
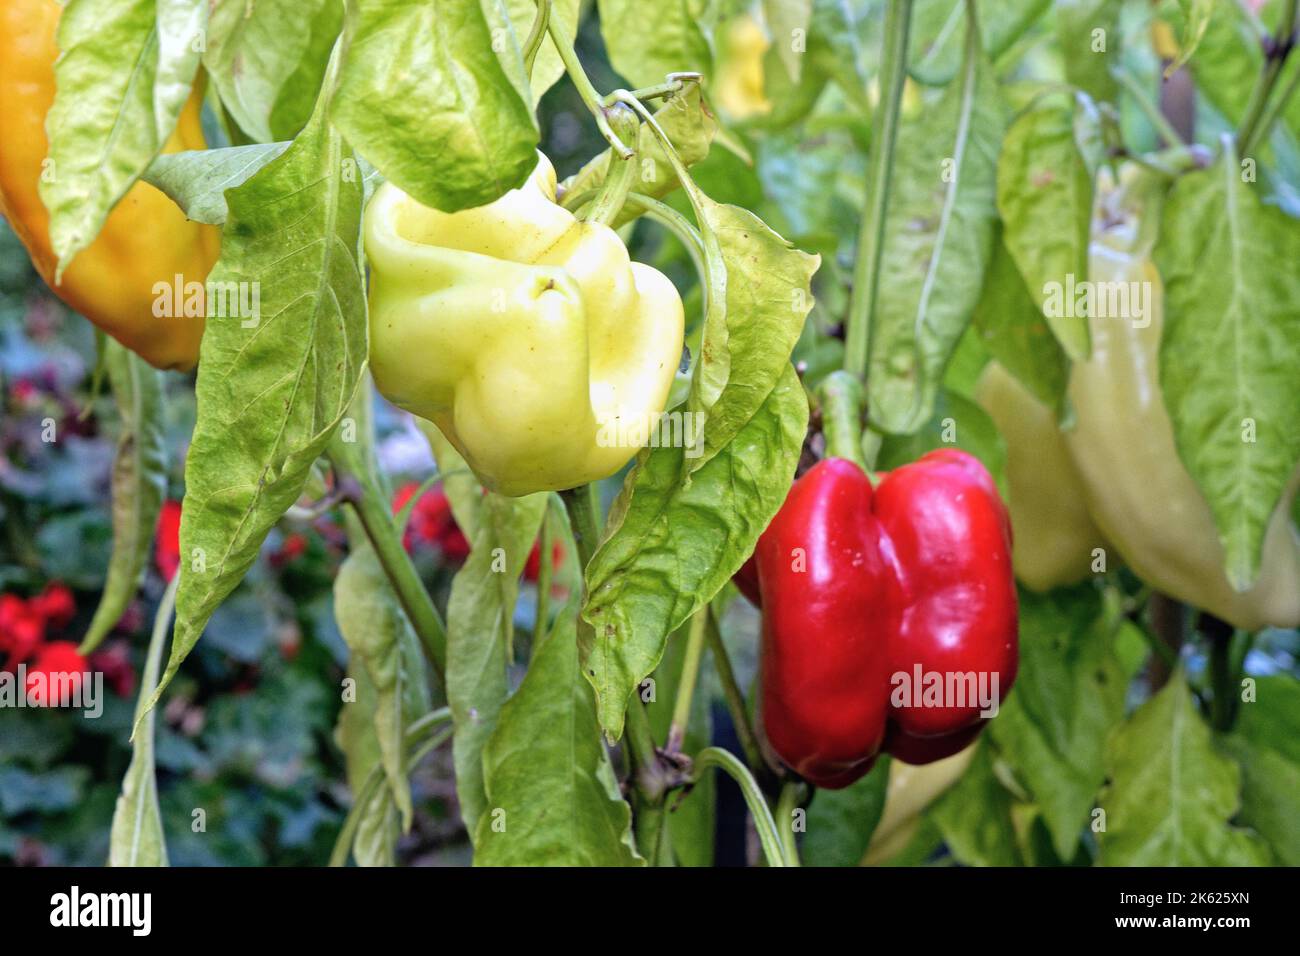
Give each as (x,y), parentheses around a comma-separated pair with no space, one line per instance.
(756,310)
(1171,794)
(267,61)
(938,27)
(1068,696)
(273,386)
(197,180)
(480,630)
(139,483)
(1196,17)
(1011,326)
(1266,743)
(136,836)
(552,797)
(425,98)
(1045,198)
(939,233)
(669,547)
(689,126)
(957,422)
(647,41)
(1081,27)
(975,816)
(1230,351)
(841,822)
(380,637)
(788,20)
(374,842)
(121,86)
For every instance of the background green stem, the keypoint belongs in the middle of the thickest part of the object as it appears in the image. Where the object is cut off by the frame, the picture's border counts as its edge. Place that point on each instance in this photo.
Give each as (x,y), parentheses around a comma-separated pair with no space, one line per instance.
(871,236)
(763,822)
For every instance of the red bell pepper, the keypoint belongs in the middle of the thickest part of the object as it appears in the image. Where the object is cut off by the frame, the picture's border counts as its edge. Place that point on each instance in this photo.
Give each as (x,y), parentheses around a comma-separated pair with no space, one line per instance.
(889,614)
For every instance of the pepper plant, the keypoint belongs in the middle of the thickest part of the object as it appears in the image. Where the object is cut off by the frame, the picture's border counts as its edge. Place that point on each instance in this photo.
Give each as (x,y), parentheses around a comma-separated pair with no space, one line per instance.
(974,326)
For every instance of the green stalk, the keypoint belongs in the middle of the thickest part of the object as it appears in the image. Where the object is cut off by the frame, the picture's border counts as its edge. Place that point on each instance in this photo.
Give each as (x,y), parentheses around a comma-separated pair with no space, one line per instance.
(536,35)
(785,808)
(593,100)
(734,696)
(871,236)
(767,830)
(384,538)
(841,396)
(619,176)
(686,686)
(1248,135)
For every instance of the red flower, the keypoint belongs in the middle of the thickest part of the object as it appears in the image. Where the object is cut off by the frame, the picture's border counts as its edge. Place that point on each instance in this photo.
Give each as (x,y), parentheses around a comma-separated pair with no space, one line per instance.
(293,547)
(431,522)
(22,628)
(55,604)
(114,662)
(58,667)
(167,540)
(533,566)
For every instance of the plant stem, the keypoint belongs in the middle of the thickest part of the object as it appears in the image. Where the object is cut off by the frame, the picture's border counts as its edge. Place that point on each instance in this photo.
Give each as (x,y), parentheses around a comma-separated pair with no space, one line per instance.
(581,507)
(785,808)
(382,532)
(734,696)
(1251,129)
(593,100)
(1148,108)
(541,617)
(841,396)
(536,35)
(871,236)
(648,781)
(686,684)
(621,171)
(763,822)
(1223,710)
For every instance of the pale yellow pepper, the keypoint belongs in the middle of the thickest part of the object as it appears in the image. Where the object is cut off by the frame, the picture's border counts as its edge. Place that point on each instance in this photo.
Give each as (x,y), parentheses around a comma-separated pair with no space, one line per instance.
(541,352)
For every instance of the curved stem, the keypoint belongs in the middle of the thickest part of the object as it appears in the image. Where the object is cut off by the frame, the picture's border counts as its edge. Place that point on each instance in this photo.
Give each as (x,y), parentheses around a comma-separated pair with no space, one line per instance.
(871,236)
(417,752)
(622,169)
(593,100)
(734,696)
(387,542)
(841,395)
(785,808)
(536,35)
(1252,127)
(763,822)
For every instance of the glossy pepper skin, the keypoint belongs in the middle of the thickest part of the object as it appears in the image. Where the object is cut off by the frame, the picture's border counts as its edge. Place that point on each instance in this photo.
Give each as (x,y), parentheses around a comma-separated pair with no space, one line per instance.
(145,240)
(1054,533)
(859,585)
(525,335)
(1137,489)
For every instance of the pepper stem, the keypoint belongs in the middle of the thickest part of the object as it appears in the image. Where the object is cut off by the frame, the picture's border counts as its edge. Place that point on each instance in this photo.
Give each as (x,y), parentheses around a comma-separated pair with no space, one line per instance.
(841,395)
(621,170)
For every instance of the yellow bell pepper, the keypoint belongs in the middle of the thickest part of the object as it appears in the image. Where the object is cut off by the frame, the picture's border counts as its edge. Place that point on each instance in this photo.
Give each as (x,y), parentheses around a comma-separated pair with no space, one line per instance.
(145,240)
(1054,536)
(1138,491)
(541,352)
